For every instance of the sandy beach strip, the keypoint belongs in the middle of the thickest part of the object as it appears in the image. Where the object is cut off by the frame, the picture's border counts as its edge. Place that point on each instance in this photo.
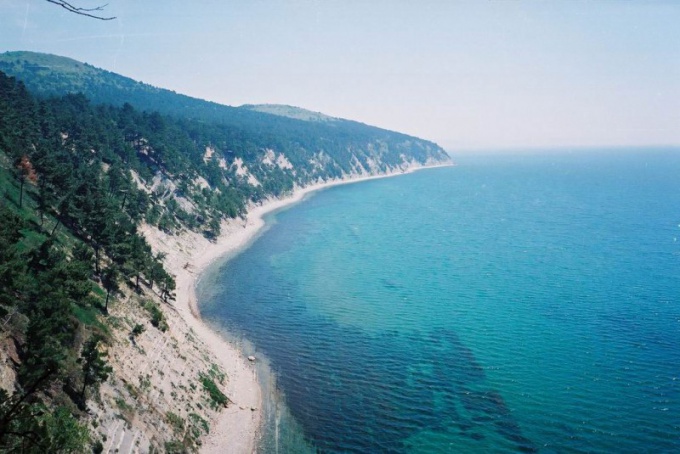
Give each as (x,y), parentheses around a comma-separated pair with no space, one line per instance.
(190,254)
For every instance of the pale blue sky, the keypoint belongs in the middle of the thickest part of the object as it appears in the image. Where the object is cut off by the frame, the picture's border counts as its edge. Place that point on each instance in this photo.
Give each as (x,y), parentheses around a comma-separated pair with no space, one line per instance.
(483,74)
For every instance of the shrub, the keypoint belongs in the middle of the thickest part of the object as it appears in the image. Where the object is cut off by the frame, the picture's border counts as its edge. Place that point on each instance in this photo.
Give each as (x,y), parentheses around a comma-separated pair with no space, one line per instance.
(217,397)
(137,330)
(157,317)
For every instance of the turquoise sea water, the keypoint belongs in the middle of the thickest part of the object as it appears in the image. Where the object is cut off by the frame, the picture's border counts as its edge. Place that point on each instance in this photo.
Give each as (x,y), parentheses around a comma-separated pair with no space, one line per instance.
(510,303)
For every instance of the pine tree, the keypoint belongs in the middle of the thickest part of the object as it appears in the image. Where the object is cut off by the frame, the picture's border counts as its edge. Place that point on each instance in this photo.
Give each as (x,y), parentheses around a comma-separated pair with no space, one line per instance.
(110,278)
(95,368)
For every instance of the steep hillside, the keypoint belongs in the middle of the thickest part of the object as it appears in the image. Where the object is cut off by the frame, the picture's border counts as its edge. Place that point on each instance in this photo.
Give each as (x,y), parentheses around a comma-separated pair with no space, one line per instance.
(84,304)
(343,146)
(202,161)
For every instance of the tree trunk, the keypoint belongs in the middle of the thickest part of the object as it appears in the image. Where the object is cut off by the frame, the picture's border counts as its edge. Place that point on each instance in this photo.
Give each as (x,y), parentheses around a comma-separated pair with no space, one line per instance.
(55,227)
(96,259)
(21,191)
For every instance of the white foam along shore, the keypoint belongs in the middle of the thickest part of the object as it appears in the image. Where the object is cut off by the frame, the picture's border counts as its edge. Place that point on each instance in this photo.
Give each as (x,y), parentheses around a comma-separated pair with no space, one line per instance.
(190,254)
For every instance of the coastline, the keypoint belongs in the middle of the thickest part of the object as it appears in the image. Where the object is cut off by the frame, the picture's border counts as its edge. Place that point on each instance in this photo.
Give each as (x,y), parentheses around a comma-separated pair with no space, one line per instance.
(189,255)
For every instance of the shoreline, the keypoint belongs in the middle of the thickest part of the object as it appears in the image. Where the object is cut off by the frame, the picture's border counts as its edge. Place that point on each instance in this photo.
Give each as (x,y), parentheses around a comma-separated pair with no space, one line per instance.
(189,255)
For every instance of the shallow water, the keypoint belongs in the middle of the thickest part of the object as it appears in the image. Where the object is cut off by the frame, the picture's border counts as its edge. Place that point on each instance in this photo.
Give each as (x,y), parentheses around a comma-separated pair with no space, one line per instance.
(511,303)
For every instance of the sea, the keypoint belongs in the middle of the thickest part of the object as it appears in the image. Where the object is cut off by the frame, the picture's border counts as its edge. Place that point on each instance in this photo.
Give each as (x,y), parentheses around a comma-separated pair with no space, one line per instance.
(515,302)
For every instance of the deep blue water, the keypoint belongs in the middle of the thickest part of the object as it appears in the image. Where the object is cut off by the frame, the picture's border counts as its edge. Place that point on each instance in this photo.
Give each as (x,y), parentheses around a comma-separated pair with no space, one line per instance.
(510,303)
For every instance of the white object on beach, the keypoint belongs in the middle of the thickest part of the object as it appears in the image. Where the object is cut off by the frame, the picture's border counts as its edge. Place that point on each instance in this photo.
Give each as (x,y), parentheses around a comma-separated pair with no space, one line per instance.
(251,358)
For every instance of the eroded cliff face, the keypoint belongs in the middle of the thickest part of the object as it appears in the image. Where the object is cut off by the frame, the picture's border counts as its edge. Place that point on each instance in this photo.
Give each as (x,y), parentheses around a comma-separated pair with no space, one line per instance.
(155,399)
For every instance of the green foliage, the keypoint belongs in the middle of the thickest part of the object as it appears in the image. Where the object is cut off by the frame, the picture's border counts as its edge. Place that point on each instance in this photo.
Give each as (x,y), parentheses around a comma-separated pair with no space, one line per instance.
(216,373)
(188,432)
(137,330)
(217,397)
(197,426)
(39,284)
(110,278)
(175,421)
(175,447)
(11,265)
(88,316)
(157,317)
(199,423)
(144,382)
(120,403)
(61,220)
(95,368)
(62,431)
(34,428)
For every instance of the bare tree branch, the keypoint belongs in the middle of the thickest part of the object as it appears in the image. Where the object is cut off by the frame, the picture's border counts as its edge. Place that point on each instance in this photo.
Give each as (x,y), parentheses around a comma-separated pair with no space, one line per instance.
(89,12)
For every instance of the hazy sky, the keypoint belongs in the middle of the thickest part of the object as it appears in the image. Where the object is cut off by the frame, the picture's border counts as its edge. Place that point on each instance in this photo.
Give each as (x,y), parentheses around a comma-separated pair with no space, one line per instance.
(482,74)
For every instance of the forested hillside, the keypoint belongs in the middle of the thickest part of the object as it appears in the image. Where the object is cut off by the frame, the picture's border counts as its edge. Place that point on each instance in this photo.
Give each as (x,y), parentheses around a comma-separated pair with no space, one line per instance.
(68,242)
(342,146)
(204,161)
(77,179)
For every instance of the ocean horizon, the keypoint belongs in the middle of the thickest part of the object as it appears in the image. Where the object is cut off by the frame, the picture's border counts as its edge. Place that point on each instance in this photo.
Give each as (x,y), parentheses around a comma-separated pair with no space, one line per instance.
(514,302)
